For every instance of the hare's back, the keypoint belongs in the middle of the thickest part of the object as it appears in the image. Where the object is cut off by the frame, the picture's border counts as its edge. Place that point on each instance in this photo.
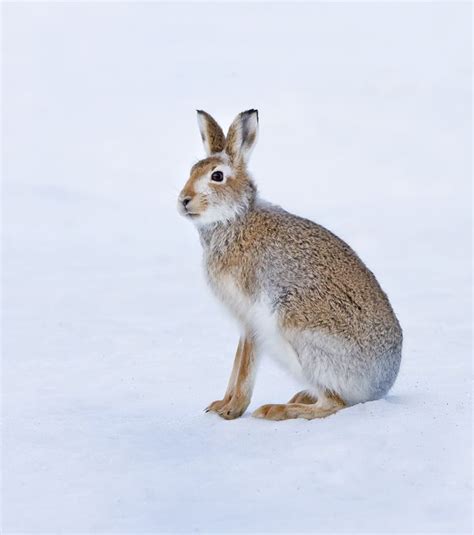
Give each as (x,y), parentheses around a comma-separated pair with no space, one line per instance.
(297,247)
(316,280)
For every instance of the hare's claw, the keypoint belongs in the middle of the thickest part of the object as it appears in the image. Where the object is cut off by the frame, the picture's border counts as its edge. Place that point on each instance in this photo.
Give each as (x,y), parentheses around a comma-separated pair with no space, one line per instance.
(229,409)
(215,406)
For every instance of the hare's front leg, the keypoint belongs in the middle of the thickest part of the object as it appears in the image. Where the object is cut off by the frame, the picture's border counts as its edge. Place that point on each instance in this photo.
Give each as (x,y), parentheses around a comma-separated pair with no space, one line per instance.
(240,387)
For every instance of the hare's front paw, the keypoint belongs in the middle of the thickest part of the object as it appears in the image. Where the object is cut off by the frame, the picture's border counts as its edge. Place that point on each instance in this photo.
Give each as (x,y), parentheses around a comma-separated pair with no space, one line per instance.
(216,406)
(229,408)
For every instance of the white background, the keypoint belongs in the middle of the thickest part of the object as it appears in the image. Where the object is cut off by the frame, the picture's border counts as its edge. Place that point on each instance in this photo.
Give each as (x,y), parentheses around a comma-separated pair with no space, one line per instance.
(112,343)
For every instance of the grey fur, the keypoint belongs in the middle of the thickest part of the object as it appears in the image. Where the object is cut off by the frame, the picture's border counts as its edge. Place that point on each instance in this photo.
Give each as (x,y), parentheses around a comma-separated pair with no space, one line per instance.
(344,331)
(290,281)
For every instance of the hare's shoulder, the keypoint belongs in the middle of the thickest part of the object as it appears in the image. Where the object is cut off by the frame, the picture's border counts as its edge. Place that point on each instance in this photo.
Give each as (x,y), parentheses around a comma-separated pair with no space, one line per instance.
(277,233)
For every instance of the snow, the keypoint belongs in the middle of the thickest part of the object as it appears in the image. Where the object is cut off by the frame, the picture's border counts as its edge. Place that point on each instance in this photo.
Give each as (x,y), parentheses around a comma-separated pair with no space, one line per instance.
(113,345)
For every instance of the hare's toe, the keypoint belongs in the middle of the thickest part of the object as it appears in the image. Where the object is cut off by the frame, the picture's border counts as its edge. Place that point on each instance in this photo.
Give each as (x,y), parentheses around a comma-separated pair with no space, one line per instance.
(217,405)
(230,412)
(271,412)
(229,409)
(304,397)
(299,410)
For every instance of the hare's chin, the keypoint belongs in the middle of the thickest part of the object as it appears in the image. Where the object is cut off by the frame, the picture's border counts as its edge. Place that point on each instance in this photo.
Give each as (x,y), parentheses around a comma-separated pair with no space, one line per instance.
(186,214)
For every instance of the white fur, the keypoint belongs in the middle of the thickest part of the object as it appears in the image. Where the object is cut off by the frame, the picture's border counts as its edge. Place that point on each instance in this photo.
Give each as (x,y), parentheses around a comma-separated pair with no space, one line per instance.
(311,357)
(203,183)
(257,317)
(326,360)
(214,212)
(271,340)
(224,157)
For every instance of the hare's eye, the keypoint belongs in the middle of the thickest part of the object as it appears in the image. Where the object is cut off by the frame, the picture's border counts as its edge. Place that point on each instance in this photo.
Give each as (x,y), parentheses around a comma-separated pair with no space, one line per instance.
(217,176)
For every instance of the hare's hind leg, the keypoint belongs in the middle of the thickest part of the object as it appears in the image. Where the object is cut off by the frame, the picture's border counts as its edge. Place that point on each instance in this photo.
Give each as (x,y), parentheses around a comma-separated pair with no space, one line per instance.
(303,397)
(327,404)
(240,387)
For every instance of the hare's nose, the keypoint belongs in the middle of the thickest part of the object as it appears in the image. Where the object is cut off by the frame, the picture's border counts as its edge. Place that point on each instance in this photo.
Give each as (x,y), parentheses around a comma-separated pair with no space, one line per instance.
(186,201)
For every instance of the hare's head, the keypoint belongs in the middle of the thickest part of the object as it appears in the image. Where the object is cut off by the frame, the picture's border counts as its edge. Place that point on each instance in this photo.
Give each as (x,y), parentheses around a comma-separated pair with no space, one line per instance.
(219,187)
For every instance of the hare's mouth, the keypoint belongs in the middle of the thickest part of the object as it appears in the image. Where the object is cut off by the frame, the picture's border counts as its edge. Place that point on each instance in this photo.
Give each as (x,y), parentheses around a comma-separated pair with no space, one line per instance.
(192,214)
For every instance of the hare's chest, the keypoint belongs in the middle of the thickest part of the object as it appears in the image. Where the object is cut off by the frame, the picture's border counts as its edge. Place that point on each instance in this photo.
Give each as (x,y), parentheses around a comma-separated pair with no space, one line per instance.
(230,293)
(256,314)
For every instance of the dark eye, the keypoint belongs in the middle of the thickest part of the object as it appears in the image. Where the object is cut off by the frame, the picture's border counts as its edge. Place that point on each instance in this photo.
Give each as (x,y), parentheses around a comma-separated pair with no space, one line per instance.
(217,176)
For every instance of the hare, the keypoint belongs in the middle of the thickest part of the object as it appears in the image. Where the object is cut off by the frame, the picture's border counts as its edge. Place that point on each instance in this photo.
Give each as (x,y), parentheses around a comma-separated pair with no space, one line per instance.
(296,290)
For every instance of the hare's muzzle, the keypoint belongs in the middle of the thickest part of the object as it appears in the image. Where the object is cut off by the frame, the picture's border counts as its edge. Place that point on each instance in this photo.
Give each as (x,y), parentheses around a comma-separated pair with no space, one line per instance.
(184,208)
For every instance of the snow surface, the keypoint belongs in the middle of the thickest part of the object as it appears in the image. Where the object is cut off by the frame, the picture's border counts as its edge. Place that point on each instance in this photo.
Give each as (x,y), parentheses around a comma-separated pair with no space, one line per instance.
(112,343)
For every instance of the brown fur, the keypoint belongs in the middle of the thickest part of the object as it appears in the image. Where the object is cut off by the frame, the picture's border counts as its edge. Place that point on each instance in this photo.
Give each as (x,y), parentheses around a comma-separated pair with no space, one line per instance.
(238,394)
(303,397)
(197,171)
(213,133)
(240,135)
(315,282)
(329,405)
(231,192)
(337,294)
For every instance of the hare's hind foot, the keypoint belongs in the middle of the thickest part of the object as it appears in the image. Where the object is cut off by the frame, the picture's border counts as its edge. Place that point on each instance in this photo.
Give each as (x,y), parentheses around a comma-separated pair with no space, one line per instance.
(324,406)
(304,397)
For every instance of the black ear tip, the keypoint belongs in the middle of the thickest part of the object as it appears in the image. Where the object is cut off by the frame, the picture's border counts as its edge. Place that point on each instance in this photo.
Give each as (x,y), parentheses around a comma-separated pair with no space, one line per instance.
(251,112)
(200,111)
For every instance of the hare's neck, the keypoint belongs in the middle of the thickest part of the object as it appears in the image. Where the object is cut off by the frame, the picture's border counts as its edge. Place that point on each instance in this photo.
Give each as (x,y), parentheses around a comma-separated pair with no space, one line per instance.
(219,235)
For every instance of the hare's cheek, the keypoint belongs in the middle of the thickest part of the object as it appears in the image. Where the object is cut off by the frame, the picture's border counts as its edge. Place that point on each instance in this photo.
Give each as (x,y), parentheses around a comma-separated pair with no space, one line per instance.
(199,203)
(203,202)
(202,186)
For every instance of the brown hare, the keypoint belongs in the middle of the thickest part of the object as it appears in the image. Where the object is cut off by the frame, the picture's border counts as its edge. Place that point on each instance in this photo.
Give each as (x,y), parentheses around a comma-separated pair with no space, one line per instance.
(297,291)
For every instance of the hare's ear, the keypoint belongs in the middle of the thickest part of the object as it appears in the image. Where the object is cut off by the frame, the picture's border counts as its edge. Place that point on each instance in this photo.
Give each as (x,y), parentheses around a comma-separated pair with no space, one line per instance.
(211,133)
(242,135)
